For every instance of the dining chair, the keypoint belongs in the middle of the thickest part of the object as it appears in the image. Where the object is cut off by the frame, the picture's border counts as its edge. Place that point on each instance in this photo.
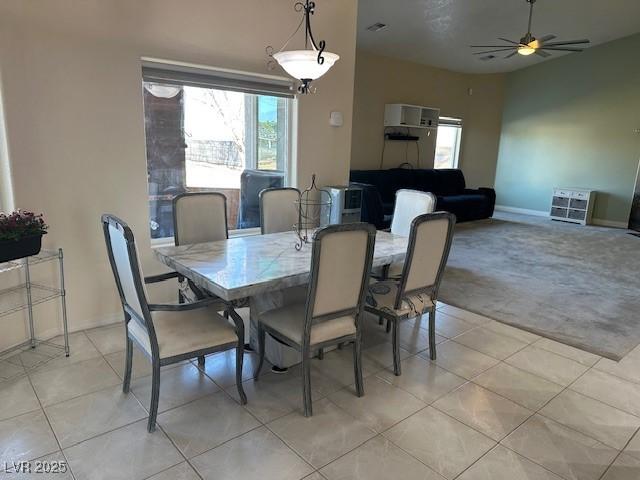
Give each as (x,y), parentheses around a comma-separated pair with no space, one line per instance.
(340,267)
(279,209)
(416,292)
(166,333)
(409,204)
(198,217)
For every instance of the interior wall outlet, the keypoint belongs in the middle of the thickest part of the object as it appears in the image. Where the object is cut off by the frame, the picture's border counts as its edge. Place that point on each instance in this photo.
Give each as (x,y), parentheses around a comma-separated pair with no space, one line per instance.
(335,119)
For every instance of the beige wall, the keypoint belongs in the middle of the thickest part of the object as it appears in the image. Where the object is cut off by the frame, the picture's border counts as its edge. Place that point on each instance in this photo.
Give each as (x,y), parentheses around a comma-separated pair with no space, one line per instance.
(70,78)
(381,80)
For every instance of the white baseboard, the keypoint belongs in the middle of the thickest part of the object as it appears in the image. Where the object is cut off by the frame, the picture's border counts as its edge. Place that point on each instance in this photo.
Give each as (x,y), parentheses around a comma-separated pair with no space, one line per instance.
(609,223)
(539,213)
(523,211)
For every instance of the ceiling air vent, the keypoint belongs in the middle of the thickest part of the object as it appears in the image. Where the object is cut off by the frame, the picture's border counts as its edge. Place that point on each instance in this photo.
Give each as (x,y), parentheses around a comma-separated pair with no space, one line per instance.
(376,27)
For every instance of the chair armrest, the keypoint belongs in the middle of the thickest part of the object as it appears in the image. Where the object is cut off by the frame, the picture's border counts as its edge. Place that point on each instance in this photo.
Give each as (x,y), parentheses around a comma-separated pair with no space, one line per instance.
(183,307)
(161,278)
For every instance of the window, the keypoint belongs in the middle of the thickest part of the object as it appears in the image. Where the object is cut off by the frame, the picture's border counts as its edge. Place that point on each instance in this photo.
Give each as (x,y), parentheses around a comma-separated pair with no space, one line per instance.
(448,143)
(212,131)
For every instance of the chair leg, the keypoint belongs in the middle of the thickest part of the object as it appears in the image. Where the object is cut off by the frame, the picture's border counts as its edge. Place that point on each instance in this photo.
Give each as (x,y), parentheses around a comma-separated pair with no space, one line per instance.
(388,326)
(261,348)
(397,370)
(306,383)
(432,334)
(128,360)
(155,396)
(357,366)
(380,320)
(320,353)
(201,361)
(239,362)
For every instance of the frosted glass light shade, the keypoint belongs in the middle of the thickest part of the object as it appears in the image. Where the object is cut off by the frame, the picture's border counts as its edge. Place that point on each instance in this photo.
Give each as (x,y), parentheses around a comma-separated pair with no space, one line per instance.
(303,64)
(162,91)
(526,50)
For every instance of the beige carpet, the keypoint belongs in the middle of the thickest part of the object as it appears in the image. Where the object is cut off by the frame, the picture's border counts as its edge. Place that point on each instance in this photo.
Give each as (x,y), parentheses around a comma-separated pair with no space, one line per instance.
(577,285)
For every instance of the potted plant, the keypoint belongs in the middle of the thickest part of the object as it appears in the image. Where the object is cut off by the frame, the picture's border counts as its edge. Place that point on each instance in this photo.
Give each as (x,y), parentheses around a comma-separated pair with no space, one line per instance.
(20,234)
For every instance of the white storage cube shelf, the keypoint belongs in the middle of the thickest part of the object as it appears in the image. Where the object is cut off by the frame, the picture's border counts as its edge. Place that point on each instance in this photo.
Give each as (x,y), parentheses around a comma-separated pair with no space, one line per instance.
(410,116)
(573,205)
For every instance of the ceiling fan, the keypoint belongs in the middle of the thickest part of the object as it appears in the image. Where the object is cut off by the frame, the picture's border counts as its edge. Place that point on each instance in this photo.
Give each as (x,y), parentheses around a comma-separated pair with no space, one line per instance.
(529,44)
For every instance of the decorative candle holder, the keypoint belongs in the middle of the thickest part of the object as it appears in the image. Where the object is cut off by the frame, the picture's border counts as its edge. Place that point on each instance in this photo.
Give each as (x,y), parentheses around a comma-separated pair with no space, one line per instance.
(314,204)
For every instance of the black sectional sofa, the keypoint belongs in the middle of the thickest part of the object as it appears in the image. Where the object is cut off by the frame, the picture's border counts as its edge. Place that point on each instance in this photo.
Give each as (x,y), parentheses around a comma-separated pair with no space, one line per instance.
(448,185)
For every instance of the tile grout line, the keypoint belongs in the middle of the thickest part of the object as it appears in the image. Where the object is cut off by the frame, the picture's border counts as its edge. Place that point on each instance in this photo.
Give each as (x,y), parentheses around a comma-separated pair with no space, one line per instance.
(621,452)
(52,430)
(376,373)
(537,412)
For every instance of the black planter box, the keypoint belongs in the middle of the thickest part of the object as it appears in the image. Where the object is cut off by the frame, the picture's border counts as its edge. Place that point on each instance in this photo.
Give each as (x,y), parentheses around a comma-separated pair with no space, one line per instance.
(25,247)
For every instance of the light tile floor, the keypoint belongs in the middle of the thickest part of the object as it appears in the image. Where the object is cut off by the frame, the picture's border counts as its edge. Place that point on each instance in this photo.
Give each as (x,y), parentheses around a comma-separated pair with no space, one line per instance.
(498,404)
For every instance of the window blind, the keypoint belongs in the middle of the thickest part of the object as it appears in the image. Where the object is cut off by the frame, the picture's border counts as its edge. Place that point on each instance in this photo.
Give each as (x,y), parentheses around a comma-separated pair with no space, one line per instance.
(450,121)
(185,75)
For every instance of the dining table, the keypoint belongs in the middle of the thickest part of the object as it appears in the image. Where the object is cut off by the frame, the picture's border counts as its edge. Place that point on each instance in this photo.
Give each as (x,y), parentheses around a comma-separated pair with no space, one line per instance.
(263,271)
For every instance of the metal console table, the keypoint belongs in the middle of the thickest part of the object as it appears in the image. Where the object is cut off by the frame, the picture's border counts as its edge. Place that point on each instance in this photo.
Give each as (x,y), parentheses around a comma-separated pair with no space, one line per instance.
(28,294)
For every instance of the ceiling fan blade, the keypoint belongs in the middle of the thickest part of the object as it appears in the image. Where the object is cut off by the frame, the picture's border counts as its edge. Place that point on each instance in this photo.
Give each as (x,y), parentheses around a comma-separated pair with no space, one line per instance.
(492,46)
(511,54)
(567,42)
(542,53)
(493,51)
(563,49)
(509,41)
(546,38)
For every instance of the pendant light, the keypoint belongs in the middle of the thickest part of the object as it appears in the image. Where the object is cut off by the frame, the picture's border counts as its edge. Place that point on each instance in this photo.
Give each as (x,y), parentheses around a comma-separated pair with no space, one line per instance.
(312,62)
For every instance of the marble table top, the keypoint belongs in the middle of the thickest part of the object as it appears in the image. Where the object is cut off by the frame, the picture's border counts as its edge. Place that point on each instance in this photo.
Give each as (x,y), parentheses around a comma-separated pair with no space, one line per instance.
(255,264)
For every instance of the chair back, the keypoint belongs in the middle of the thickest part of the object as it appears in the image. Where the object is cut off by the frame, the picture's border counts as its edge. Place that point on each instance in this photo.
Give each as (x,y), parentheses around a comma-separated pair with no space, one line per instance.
(279,210)
(410,204)
(199,217)
(123,257)
(427,253)
(340,267)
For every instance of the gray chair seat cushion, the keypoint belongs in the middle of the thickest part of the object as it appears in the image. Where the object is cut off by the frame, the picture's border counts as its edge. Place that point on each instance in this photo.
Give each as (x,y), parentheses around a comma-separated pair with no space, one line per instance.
(187,331)
(289,322)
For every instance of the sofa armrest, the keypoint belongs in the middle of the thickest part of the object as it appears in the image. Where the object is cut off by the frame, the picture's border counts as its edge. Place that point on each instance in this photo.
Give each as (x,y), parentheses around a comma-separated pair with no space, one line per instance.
(491,193)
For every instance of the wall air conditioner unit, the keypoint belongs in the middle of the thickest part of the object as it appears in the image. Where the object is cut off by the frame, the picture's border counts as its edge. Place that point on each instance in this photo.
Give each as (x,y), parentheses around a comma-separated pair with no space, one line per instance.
(410,116)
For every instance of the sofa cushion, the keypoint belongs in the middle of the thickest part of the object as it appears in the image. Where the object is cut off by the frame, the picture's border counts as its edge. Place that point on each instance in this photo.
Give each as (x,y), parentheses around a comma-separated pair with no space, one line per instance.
(449,181)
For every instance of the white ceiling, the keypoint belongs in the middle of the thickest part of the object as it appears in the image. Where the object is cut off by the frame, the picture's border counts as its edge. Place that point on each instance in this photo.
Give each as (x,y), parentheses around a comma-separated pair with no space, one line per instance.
(439,32)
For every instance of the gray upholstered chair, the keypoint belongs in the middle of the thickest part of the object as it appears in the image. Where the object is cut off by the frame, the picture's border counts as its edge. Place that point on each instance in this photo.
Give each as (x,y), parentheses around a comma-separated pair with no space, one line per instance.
(171,333)
(416,292)
(340,266)
(198,217)
(279,210)
(409,204)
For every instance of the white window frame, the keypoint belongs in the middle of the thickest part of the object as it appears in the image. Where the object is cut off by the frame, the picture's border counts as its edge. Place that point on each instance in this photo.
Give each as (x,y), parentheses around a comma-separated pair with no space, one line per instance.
(456,123)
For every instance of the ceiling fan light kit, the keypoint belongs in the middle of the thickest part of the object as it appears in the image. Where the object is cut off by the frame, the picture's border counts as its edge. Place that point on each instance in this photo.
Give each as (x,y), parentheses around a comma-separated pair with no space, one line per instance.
(529,45)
